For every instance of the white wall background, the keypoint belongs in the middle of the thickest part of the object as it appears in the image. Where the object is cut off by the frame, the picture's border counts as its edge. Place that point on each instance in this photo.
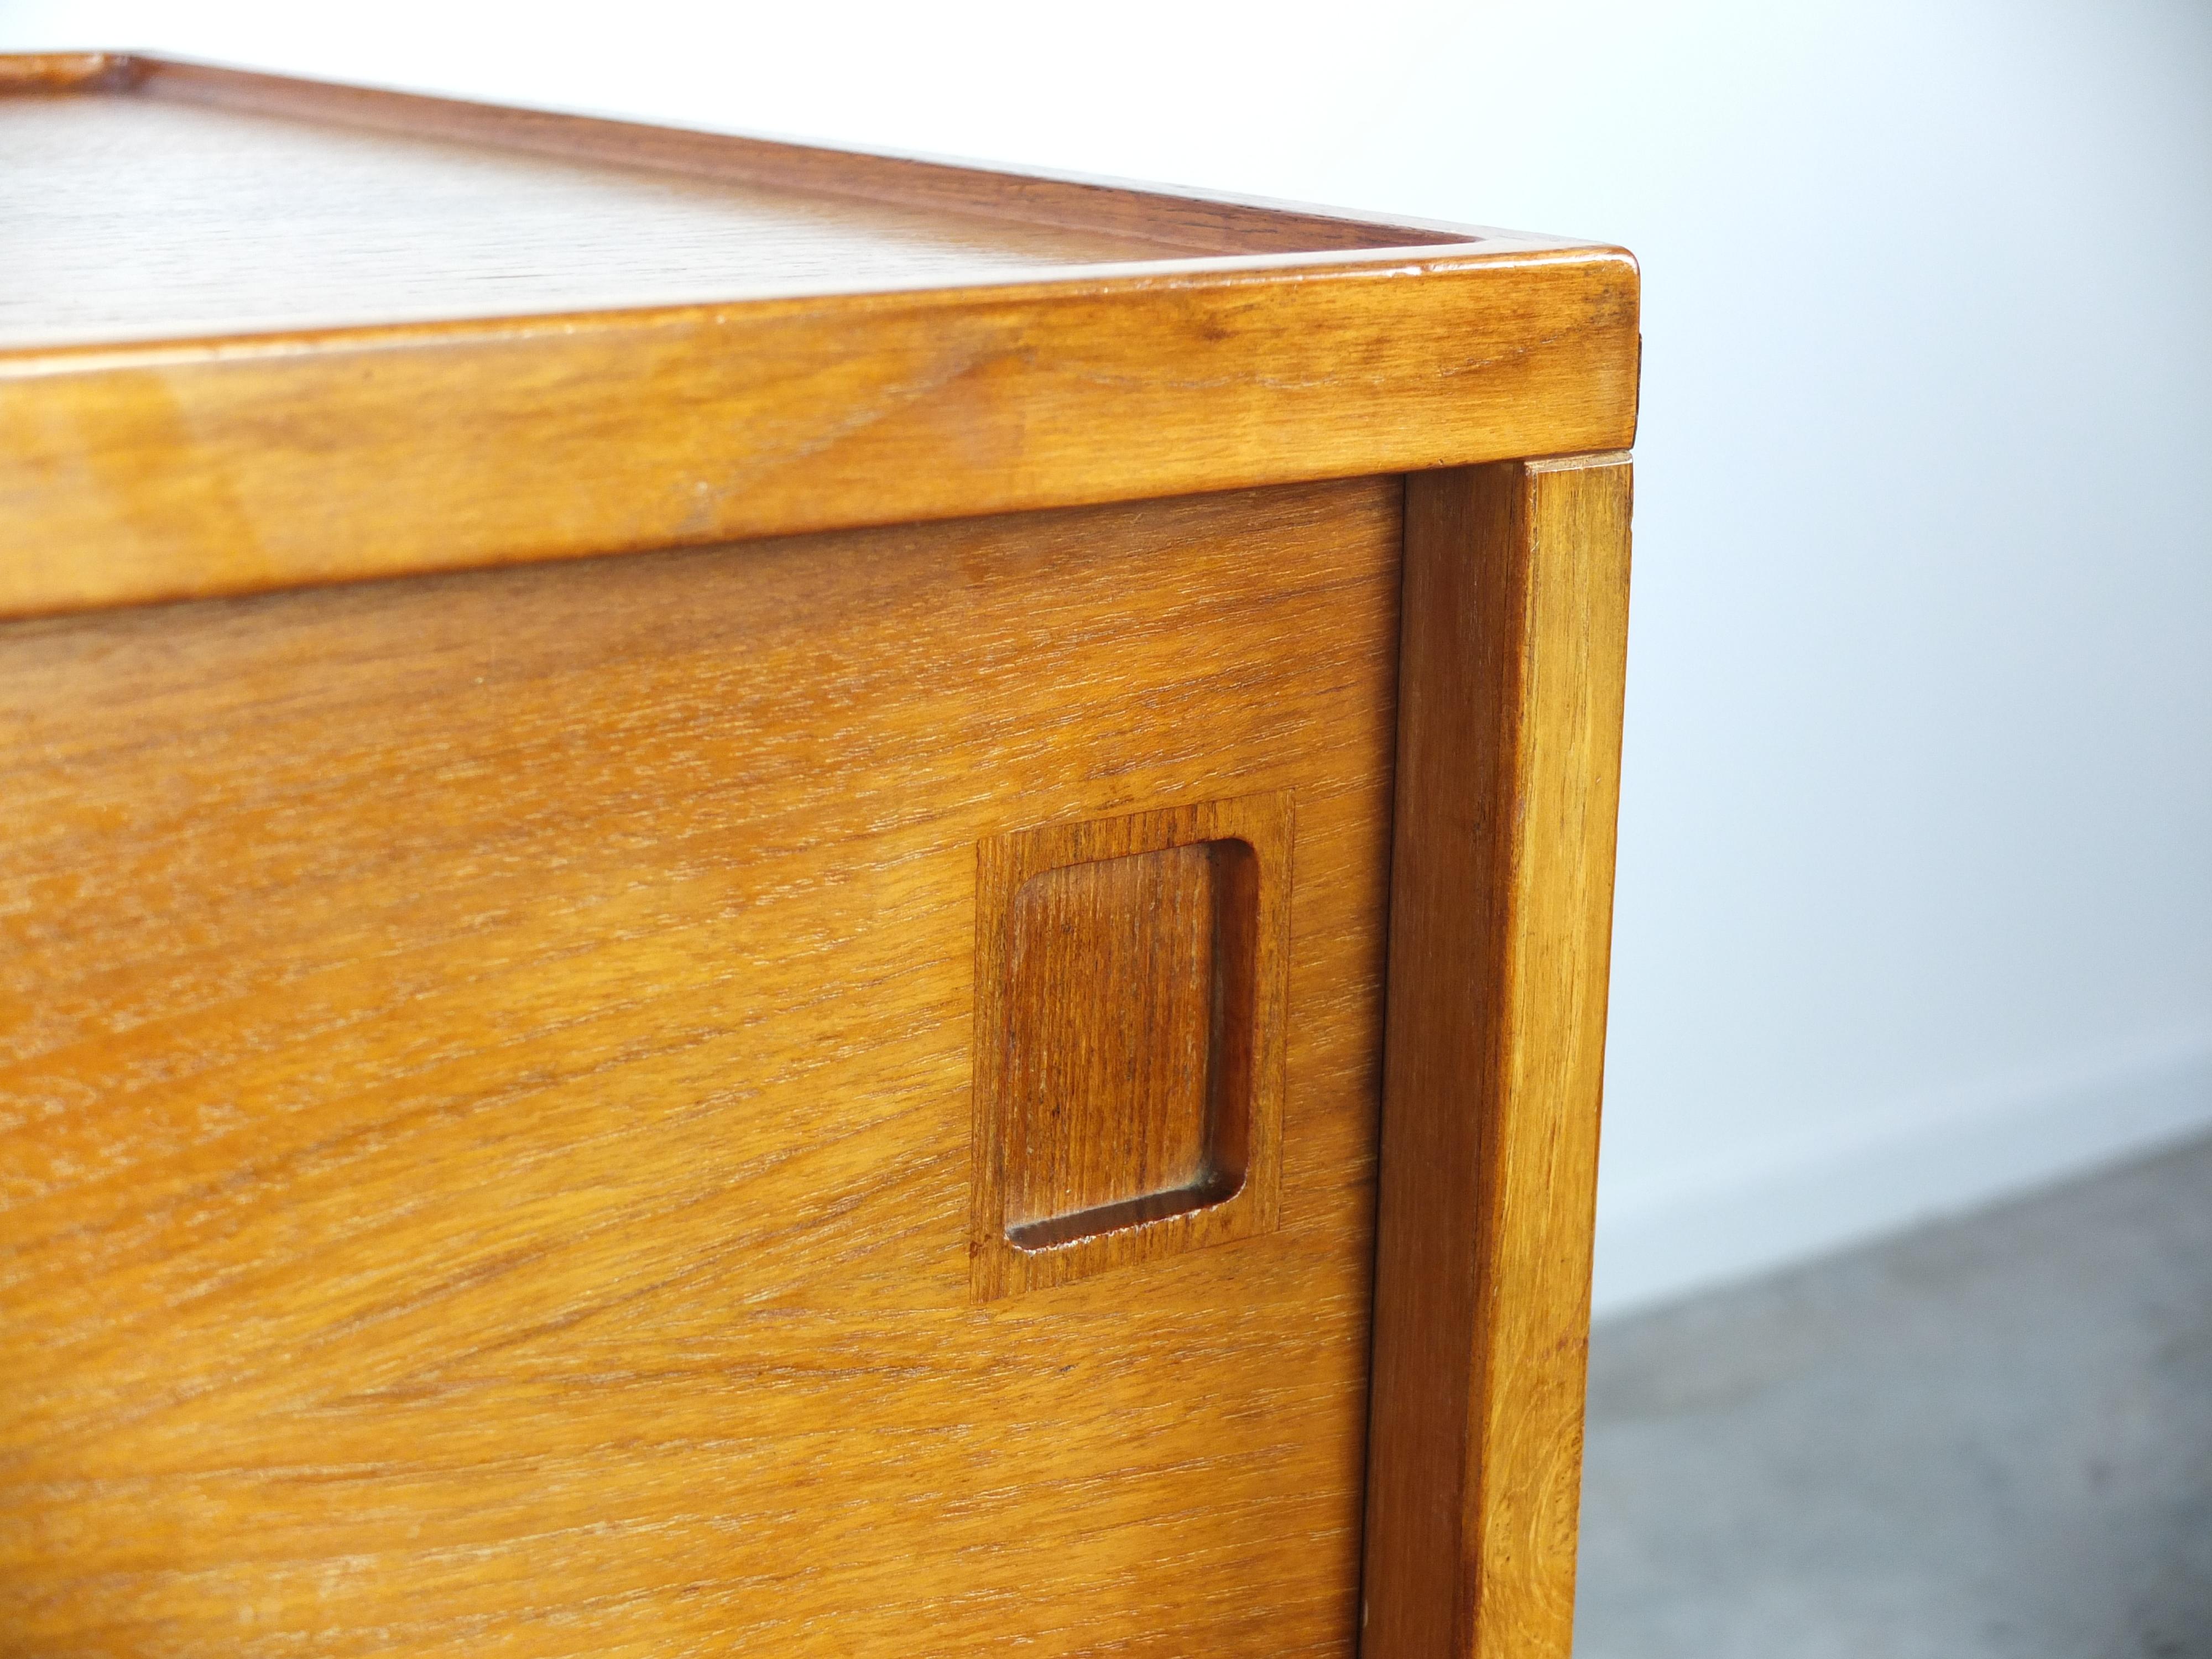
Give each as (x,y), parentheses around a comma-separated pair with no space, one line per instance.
(1915,864)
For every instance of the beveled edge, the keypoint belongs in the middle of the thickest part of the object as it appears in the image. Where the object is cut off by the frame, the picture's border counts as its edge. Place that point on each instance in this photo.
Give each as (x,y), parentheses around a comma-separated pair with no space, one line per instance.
(155,470)
(1184,221)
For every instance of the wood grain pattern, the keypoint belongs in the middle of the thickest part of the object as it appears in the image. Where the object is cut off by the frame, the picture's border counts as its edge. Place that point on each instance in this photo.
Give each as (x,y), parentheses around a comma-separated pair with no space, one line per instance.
(153,474)
(1196,221)
(1514,634)
(1130,1039)
(136,218)
(486,1122)
(484,1104)
(1110,972)
(238,460)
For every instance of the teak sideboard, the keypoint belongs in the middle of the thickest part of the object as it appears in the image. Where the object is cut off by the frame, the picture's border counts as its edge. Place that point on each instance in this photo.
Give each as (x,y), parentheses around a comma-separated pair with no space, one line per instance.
(761,900)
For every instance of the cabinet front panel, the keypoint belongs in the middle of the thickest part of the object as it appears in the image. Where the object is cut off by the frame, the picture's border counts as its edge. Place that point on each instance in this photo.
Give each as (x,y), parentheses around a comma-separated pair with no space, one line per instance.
(488,1099)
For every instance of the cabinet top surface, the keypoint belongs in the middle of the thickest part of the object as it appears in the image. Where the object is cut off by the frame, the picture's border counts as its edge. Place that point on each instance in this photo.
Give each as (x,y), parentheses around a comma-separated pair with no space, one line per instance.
(135,218)
(258,332)
(146,200)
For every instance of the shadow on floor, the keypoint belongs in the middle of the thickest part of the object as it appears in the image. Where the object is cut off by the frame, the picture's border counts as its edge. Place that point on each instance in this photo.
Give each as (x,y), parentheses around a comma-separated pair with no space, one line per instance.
(1989,1437)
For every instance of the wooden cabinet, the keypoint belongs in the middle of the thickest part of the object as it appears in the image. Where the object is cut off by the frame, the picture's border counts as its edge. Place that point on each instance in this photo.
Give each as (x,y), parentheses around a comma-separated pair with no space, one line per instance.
(764,900)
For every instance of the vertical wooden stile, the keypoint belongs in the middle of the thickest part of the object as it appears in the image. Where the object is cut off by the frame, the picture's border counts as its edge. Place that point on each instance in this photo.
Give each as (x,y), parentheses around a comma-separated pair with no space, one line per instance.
(1514,638)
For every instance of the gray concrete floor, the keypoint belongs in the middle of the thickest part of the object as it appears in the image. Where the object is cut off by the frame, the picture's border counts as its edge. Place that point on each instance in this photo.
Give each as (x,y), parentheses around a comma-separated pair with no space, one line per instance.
(1989,1437)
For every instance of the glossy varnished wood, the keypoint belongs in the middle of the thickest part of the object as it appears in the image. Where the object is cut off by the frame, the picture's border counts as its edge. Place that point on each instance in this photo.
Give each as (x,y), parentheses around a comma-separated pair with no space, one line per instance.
(1515,629)
(1194,221)
(1131,989)
(527,1097)
(65,71)
(486,1063)
(194,471)
(873,341)
(142,218)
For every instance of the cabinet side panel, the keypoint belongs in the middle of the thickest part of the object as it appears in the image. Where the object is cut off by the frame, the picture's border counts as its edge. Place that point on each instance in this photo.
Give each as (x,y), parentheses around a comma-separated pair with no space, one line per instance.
(1515,624)
(486,1115)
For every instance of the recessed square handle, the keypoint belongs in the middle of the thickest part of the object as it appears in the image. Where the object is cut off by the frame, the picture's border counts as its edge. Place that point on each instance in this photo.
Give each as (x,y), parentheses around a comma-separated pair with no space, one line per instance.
(1131,976)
